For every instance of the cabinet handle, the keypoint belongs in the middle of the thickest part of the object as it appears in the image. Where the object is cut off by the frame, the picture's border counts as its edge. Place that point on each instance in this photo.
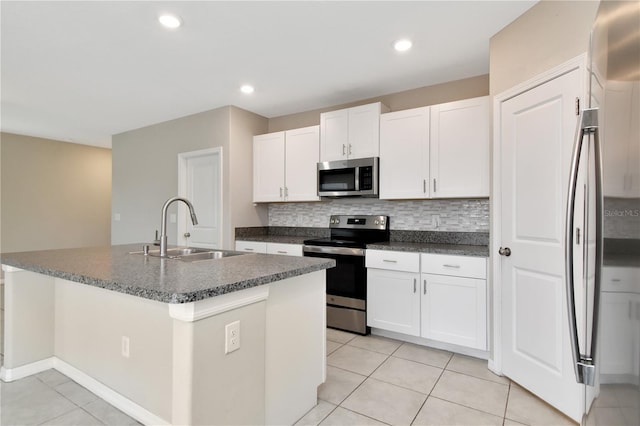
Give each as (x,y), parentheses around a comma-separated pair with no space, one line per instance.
(248,249)
(630,317)
(638,311)
(286,191)
(424,186)
(349,149)
(344,149)
(434,185)
(281,252)
(415,282)
(280,192)
(425,287)
(451,266)
(615,280)
(389,261)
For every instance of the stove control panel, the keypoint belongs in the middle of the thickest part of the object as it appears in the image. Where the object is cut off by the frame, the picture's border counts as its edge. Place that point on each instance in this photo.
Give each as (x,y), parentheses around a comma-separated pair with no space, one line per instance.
(359,222)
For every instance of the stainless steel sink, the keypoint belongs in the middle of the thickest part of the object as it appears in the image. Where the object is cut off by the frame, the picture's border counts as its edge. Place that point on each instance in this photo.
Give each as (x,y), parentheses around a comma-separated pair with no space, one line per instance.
(209,255)
(185,251)
(192,254)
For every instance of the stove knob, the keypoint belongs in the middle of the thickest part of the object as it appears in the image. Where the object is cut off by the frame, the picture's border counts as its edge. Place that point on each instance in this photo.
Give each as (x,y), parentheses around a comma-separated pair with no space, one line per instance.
(376,222)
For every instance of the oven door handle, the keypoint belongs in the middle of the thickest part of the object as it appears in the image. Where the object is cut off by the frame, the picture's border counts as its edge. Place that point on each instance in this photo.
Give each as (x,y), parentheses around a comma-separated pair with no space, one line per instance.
(346,251)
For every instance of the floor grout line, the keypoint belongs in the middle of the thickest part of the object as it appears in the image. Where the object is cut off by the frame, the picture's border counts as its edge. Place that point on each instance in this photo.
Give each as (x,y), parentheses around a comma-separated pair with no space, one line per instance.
(443,368)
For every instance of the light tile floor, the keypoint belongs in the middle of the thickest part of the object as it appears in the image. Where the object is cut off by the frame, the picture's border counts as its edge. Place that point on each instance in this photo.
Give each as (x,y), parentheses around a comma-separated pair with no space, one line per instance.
(370,381)
(51,398)
(373,380)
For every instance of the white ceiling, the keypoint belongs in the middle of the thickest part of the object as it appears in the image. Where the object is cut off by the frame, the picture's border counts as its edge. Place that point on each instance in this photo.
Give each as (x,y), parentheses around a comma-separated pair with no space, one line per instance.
(81,71)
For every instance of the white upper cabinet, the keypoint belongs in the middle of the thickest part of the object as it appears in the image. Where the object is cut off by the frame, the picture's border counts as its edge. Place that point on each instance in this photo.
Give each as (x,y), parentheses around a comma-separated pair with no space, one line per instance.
(622,163)
(268,167)
(284,165)
(459,149)
(302,154)
(441,151)
(351,132)
(404,154)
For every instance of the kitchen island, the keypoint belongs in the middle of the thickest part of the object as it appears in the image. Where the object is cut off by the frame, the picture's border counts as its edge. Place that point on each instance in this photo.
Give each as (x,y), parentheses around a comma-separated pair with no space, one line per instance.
(153,336)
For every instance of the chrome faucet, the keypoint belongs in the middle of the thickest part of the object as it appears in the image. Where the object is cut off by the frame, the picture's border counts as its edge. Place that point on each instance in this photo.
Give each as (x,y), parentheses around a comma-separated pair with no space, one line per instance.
(163,229)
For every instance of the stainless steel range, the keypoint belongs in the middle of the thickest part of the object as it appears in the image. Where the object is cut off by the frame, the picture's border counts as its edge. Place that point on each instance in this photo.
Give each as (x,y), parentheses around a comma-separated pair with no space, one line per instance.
(347,282)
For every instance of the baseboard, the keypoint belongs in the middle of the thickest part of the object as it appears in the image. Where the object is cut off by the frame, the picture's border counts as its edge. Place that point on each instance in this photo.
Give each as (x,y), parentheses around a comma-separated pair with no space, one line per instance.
(476,353)
(122,403)
(17,373)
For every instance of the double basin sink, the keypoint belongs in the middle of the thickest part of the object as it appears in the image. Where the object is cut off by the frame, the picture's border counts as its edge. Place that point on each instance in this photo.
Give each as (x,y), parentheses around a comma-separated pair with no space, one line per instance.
(192,254)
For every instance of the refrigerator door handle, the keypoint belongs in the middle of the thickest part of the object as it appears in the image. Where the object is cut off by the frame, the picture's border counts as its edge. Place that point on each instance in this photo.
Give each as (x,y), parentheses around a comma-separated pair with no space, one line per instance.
(584,361)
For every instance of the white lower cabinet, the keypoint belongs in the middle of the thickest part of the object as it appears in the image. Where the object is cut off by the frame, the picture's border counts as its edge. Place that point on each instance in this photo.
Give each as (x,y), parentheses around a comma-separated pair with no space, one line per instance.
(269,248)
(454,310)
(284,249)
(620,344)
(393,302)
(437,297)
(251,246)
(620,325)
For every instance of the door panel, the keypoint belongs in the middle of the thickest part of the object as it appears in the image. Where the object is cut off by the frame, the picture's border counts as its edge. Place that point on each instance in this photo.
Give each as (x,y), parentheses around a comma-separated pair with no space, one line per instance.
(536,137)
(200,181)
(537,328)
(537,159)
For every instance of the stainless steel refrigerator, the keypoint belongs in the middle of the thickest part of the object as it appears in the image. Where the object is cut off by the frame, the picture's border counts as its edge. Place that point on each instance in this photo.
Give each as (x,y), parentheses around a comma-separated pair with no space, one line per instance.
(603,211)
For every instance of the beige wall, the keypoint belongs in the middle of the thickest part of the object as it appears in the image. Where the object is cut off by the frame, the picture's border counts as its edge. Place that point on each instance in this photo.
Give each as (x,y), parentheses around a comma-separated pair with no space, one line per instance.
(54,194)
(240,208)
(145,170)
(548,34)
(429,95)
(89,325)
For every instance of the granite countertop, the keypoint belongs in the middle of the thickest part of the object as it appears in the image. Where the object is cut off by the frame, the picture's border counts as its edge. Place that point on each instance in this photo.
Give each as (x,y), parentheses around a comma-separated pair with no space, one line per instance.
(453,249)
(454,243)
(163,280)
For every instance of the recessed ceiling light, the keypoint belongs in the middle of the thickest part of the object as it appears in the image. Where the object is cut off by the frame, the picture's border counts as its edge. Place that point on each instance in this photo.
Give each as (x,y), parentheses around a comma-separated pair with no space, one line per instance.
(247,89)
(170,21)
(402,45)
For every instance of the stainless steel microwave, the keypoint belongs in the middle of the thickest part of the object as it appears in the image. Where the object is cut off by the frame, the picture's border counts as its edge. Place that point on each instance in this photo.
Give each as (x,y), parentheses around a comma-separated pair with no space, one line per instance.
(348,178)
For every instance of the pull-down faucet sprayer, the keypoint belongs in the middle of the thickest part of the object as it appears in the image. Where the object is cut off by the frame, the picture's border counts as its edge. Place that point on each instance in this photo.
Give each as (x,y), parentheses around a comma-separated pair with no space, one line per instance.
(163,229)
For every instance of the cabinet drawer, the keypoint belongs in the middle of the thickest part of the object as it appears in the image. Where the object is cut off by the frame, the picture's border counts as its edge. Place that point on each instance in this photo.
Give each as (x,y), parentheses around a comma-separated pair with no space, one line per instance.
(621,279)
(284,249)
(459,266)
(251,246)
(393,260)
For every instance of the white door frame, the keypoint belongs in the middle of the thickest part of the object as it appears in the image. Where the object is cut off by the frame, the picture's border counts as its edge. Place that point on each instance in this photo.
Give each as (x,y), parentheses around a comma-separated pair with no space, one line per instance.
(182,187)
(581,61)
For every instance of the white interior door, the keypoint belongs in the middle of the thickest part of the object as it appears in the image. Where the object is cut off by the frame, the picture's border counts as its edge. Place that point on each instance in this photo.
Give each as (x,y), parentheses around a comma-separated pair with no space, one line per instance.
(200,181)
(536,132)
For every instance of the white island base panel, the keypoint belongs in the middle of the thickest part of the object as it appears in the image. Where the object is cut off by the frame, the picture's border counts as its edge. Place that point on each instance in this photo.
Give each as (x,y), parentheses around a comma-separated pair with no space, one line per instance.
(166,363)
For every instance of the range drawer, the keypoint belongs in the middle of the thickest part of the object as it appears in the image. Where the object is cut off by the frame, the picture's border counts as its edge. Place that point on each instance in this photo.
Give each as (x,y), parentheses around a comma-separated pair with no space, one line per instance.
(393,260)
(459,266)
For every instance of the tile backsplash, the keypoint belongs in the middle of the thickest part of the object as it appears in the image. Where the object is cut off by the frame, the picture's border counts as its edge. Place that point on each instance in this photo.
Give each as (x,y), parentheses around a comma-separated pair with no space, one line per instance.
(458,215)
(622,218)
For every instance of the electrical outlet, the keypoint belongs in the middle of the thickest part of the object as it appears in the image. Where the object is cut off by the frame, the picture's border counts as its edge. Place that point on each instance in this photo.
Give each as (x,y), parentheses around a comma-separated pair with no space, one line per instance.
(232,337)
(125,347)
